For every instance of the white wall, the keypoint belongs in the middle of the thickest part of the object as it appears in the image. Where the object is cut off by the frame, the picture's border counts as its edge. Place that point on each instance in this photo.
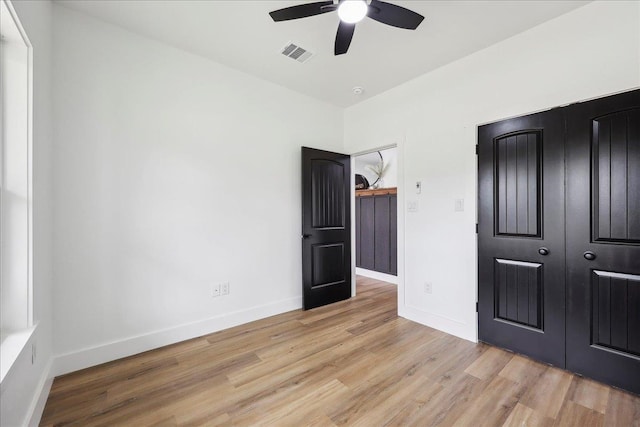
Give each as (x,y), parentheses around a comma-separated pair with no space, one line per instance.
(592,51)
(172,173)
(26,385)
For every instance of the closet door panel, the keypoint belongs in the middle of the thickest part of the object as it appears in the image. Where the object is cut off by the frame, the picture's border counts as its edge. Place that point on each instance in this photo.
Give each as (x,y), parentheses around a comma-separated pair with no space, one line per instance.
(393,234)
(367,233)
(382,234)
(603,239)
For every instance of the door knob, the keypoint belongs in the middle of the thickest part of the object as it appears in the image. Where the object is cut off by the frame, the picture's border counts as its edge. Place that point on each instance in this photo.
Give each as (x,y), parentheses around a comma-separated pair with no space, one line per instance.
(543,251)
(589,256)
(306,236)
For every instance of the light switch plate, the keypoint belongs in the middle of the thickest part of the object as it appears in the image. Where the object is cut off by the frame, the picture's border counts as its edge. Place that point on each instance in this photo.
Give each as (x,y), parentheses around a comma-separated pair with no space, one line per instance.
(458,205)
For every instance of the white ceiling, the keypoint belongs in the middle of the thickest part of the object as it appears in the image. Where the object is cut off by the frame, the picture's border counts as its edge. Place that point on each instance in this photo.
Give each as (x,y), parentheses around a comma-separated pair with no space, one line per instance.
(241,35)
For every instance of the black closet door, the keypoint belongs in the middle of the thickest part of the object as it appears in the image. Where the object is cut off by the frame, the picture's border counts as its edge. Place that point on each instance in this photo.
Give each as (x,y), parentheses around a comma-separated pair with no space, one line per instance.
(521,269)
(603,240)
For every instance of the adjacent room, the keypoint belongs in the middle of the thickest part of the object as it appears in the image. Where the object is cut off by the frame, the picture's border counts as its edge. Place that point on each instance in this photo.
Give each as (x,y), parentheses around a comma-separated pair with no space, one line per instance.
(340,212)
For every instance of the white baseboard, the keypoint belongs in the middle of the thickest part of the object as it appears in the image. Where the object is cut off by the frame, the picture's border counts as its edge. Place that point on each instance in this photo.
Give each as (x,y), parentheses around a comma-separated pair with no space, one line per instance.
(389,278)
(439,322)
(40,399)
(85,358)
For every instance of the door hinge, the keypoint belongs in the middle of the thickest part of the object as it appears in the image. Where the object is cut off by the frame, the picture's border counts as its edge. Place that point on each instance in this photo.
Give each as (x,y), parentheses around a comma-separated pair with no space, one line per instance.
(476,307)
(477,228)
(477,149)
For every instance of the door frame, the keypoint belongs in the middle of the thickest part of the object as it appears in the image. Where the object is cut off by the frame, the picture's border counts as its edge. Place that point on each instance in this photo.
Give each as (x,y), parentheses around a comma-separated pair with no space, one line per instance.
(399,145)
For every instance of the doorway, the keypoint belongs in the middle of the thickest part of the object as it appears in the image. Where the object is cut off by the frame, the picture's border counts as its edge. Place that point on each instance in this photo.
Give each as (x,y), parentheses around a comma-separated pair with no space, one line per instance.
(375,200)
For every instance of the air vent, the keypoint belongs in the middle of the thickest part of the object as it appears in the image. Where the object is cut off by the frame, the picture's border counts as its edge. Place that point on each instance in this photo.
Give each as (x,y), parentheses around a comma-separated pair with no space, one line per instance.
(296,52)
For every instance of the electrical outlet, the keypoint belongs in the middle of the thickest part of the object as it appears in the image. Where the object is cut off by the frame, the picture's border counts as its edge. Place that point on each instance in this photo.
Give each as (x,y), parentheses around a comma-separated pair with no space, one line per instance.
(224,288)
(215,290)
(428,288)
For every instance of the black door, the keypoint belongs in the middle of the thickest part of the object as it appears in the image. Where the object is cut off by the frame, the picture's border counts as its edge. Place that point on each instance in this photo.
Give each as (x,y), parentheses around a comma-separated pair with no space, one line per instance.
(521,292)
(603,240)
(326,228)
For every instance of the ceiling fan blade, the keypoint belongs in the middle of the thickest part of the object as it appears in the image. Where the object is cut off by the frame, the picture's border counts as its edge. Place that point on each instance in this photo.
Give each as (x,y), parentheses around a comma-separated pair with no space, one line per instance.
(394,15)
(343,37)
(302,11)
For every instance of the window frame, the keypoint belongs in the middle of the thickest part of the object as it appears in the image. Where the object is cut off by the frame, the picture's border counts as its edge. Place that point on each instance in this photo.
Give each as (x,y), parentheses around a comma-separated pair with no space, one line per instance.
(14,341)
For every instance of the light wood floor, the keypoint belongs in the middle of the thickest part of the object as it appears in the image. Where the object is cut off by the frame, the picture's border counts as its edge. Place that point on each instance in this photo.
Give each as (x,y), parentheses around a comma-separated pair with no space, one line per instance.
(352,363)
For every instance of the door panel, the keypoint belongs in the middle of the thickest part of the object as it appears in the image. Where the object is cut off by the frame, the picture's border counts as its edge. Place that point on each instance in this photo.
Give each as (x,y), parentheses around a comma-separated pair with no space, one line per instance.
(521,212)
(382,233)
(326,255)
(393,220)
(616,173)
(603,239)
(367,235)
(518,290)
(327,190)
(615,316)
(517,172)
(358,233)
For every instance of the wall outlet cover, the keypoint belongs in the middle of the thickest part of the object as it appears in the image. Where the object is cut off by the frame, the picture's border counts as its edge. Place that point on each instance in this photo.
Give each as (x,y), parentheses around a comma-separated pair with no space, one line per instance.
(215,290)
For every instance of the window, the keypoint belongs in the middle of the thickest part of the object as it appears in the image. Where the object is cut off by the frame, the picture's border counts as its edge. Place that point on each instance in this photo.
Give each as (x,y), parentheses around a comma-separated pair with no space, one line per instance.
(15,188)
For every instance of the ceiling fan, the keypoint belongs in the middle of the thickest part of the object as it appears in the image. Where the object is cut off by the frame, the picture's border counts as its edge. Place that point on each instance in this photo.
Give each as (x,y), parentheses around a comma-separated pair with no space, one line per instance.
(351,12)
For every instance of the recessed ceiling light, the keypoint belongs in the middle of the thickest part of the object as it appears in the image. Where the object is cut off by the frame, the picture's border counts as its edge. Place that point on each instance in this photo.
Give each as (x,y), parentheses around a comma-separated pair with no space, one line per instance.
(352,11)
(357,90)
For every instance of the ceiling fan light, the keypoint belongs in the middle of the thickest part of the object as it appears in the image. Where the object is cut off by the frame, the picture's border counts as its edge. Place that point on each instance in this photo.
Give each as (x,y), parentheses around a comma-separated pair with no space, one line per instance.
(352,11)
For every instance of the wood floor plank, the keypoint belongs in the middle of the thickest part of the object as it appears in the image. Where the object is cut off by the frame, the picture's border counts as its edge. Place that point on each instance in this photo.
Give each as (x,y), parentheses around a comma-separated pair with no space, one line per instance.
(523,370)
(409,413)
(494,405)
(445,407)
(576,415)
(549,393)
(297,411)
(489,363)
(623,409)
(383,413)
(525,416)
(589,394)
(350,363)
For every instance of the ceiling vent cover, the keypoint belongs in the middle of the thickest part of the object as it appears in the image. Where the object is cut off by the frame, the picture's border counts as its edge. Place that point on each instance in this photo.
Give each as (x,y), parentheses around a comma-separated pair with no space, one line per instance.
(296,52)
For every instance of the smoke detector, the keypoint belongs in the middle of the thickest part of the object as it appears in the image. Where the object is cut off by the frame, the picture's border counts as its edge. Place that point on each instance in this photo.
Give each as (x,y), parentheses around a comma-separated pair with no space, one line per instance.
(358,90)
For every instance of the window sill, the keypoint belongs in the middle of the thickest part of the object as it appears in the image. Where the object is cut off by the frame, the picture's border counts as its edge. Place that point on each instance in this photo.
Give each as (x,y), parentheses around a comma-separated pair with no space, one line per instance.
(11,345)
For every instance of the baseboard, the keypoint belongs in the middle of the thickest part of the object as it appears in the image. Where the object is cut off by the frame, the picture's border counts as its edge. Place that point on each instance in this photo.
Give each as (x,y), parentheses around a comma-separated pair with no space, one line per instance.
(450,326)
(389,278)
(40,399)
(85,358)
